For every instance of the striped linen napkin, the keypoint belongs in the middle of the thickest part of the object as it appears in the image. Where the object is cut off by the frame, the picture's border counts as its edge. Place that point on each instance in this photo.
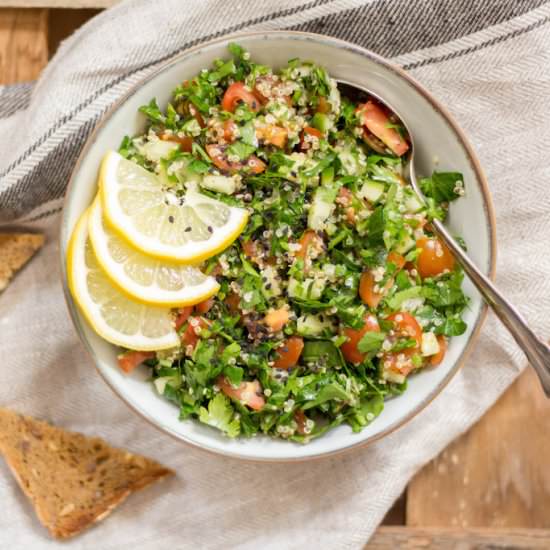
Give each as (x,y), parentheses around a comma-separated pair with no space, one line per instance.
(487,60)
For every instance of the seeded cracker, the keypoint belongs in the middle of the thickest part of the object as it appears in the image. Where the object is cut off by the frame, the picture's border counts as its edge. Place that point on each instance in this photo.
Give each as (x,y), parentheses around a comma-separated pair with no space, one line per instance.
(72,480)
(16,249)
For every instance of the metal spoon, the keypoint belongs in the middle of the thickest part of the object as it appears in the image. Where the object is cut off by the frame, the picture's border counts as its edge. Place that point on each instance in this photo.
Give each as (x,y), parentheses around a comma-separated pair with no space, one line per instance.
(536,351)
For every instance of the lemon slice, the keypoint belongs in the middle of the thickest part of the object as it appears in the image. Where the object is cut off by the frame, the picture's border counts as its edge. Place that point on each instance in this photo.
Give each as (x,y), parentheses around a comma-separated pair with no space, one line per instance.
(155,220)
(111,314)
(144,278)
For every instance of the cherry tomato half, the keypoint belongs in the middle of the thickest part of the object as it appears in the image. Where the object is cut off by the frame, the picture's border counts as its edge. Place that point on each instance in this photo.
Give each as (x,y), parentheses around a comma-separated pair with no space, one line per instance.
(435,257)
(349,348)
(377,121)
(237,93)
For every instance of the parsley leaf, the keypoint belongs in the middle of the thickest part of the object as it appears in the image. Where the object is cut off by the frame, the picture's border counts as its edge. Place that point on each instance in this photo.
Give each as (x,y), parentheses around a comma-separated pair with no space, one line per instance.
(442,186)
(240,149)
(371,342)
(153,112)
(220,414)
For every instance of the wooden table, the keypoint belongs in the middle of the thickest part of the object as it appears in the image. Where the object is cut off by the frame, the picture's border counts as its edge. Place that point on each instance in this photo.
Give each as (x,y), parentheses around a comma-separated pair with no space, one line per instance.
(489,489)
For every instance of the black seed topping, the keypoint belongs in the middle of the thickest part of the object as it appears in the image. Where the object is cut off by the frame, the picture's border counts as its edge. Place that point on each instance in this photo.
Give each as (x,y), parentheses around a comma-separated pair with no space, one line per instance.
(187,229)
(171,219)
(210,230)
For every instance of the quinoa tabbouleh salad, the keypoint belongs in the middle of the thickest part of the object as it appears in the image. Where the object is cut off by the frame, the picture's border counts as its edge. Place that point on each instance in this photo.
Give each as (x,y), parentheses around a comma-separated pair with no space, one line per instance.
(330,288)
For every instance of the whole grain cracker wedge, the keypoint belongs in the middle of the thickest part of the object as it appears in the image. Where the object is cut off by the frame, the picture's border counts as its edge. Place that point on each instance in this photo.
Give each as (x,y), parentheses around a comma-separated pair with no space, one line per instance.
(16,249)
(71,479)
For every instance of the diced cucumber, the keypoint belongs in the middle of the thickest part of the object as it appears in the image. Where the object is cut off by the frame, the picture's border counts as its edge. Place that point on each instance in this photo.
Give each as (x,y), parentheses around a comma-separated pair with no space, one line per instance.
(413,204)
(321,122)
(372,191)
(306,289)
(350,164)
(320,210)
(221,184)
(405,245)
(157,149)
(399,298)
(311,325)
(429,345)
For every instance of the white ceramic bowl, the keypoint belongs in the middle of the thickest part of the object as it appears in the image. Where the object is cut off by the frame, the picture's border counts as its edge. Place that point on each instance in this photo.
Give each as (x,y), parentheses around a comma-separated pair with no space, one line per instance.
(436,136)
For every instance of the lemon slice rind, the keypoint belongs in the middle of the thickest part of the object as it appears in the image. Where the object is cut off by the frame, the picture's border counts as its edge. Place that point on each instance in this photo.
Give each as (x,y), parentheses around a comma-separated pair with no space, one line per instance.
(77,275)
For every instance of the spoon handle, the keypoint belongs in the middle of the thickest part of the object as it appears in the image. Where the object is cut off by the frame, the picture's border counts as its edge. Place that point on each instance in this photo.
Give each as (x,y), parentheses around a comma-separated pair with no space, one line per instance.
(537,352)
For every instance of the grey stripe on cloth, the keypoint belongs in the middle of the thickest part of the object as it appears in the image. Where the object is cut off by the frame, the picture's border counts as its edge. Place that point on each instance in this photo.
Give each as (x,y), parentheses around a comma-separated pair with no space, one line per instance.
(376,25)
(14,98)
(394,28)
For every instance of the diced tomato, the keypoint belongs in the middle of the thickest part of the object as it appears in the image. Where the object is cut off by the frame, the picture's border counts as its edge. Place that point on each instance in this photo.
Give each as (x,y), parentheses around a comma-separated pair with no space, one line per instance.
(300,419)
(323,106)
(289,353)
(374,117)
(308,238)
(367,284)
(368,294)
(193,111)
(399,363)
(219,158)
(396,259)
(183,315)
(186,142)
(190,336)
(311,131)
(349,348)
(229,130)
(276,319)
(248,393)
(131,359)
(237,93)
(438,357)
(406,326)
(232,301)
(435,257)
(255,165)
(272,135)
(204,307)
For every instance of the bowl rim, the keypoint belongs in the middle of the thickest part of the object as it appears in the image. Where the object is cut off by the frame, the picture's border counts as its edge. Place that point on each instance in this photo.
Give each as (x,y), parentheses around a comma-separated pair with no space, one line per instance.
(340,44)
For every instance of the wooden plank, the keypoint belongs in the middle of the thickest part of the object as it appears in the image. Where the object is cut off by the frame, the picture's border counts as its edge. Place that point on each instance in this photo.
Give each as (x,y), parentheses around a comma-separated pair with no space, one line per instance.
(497,474)
(396,515)
(23,44)
(63,22)
(434,538)
(73,4)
